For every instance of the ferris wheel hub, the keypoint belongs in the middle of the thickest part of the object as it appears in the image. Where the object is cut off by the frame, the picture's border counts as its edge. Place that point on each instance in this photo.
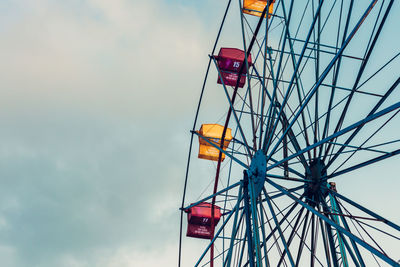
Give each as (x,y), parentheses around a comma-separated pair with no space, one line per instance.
(316,188)
(257,171)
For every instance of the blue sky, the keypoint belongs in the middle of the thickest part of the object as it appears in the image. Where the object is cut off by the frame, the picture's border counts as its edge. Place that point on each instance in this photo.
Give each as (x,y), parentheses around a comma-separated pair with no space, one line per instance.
(96,101)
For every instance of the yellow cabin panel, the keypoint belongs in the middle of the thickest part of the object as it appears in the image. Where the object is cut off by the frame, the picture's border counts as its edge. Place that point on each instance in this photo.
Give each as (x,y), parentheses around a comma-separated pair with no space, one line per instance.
(209,153)
(256,7)
(214,133)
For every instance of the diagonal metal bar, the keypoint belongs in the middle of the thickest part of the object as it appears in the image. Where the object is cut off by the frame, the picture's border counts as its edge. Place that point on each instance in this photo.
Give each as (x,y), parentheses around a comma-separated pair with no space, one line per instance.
(211,196)
(336,226)
(360,147)
(342,246)
(325,242)
(280,230)
(376,107)
(369,212)
(302,238)
(247,211)
(345,130)
(330,234)
(263,244)
(284,121)
(267,144)
(292,234)
(363,164)
(275,84)
(218,232)
(253,208)
(360,73)
(262,225)
(248,79)
(323,76)
(355,247)
(317,70)
(232,108)
(220,149)
(290,190)
(337,67)
(234,232)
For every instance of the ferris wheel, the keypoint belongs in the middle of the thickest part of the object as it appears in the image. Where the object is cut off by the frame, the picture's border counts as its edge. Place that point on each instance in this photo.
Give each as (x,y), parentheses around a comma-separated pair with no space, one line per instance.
(293,156)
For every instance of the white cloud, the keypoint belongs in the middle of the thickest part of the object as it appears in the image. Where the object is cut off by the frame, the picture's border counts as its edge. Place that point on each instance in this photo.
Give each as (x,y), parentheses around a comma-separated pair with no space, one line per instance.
(120,55)
(90,96)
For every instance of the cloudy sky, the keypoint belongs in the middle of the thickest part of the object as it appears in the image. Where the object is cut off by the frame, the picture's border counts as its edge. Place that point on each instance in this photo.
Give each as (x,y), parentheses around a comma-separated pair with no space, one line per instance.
(96,99)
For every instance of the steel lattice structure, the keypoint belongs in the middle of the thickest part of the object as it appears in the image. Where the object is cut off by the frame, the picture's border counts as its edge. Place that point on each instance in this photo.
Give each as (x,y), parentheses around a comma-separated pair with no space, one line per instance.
(319,106)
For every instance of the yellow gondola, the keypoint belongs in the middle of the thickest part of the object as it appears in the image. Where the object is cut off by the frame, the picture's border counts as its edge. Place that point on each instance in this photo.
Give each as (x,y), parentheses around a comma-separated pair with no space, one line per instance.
(256,7)
(214,133)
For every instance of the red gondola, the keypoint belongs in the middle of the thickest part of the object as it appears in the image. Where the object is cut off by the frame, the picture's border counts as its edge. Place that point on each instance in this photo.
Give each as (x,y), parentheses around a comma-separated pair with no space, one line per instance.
(230,61)
(199,220)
